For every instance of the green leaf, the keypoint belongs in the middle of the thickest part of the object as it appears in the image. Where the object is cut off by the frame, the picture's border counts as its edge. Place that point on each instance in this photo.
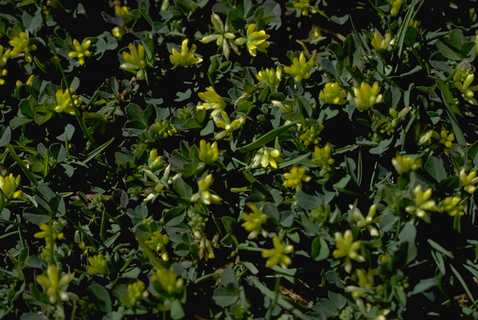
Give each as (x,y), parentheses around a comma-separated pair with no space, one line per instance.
(268,137)
(319,250)
(6,137)
(103,297)
(408,235)
(225,297)
(435,167)
(423,286)
(177,311)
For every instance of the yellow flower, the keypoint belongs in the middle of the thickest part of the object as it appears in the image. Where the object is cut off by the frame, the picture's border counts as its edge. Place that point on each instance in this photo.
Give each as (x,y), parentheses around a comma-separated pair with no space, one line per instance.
(55,286)
(395,6)
(311,131)
(366,96)
(204,194)
(167,280)
(49,232)
(423,203)
(208,152)
(97,265)
(133,61)
(366,222)
(9,185)
(256,40)
(301,69)
(157,242)
(117,32)
(185,57)
(379,42)
(65,102)
(404,164)
(323,156)
(4,56)
(154,160)
(266,157)
(221,120)
(20,44)
(277,254)
(295,177)
(121,11)
(269,77)
(468,180)
(253,221)
(304,7)
(447,139)
(333,93)
(80,51)
(365,281)
(136,291)
(211,100)
(221,35)
(463,79)
(347,248)
(453,206)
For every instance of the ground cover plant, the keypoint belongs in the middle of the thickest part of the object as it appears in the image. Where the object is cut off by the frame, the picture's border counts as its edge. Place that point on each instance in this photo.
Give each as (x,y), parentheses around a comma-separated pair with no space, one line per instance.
(238,159)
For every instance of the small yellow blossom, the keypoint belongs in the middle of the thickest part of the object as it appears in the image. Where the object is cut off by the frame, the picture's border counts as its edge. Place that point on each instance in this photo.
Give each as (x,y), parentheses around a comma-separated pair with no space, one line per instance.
(133,61)
(395,6)
(301,68)
(295,177)
(333,93)
(4,56)
(54,284)
(315,35)
(453,206)
(185,57)
(136,291)
(204,195)
(97,265)
(222,121)
(80,51)
(154,160)
(463,80)
(380,42)
(311,131)
(256,40)
(20,45)
(118,32)
(9,185)
(157,242)
(347,248)
(404,164)
(269,77)
(447,139)
(323,156)
(365,282)
(222,35)
(422,203)
(278,254)
(266,157)
(65,102)
(167,280)
(304,7)
(208,152)
(366,96)
(121,11)
(211,100)
(468,180)
(366,222)
(253,221)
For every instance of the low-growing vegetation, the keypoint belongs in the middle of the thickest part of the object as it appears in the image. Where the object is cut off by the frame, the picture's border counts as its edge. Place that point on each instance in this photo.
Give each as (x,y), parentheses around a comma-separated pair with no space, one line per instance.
(238,159)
